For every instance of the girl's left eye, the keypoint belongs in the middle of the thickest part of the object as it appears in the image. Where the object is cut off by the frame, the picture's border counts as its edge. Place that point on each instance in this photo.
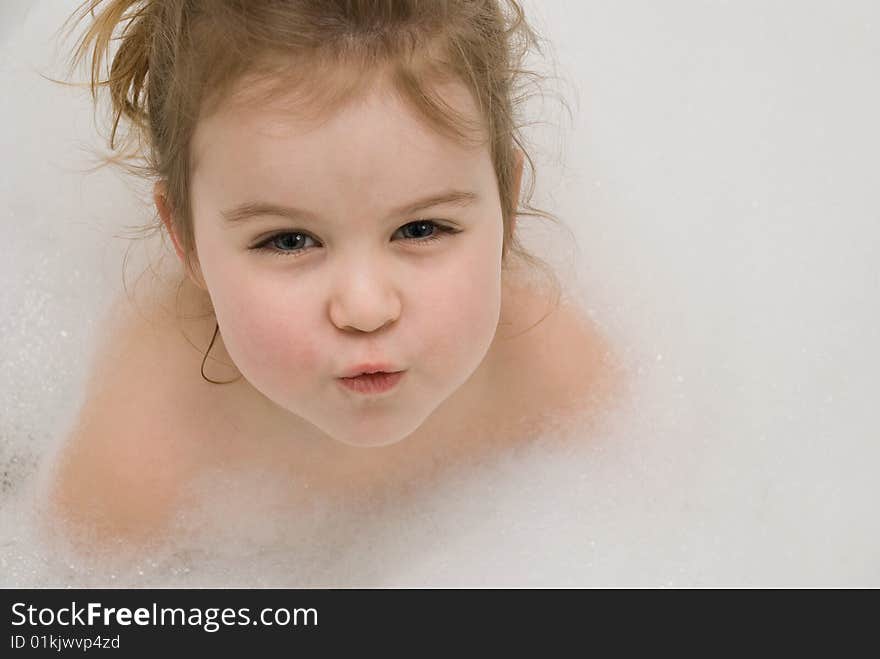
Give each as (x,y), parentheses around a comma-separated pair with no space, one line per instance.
(290,243)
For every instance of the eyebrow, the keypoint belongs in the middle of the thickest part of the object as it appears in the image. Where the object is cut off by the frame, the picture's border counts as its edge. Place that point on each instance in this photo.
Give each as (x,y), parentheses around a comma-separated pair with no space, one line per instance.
(253,209)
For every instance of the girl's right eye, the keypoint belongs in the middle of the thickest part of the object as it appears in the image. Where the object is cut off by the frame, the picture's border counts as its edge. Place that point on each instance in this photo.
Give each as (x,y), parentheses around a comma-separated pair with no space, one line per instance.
(288,243)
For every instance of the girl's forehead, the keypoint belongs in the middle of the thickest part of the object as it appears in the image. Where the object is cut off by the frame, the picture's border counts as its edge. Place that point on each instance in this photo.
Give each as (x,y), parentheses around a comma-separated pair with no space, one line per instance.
(379,119)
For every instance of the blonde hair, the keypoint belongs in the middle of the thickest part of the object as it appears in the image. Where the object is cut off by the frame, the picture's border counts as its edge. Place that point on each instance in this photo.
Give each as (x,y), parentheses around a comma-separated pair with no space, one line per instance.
(177,60)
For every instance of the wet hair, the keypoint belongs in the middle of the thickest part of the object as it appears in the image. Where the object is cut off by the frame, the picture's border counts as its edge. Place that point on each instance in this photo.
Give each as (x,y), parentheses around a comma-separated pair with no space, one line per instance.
(177,61)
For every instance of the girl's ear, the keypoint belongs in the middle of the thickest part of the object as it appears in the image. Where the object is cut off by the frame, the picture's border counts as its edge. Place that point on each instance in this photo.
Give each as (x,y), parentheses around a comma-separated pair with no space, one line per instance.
(166,214)
(517,179)
(161,201)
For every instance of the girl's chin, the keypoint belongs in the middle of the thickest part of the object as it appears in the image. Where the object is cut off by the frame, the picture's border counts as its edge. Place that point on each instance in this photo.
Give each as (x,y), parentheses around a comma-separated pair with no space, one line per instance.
(367,439)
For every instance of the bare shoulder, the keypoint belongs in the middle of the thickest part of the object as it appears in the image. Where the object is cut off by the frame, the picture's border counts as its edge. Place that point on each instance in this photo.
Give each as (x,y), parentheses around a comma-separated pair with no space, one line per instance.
(557,360)
(120,470)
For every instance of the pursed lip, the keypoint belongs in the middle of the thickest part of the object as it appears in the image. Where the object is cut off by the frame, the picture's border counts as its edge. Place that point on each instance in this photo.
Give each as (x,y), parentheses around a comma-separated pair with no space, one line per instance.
(376,367)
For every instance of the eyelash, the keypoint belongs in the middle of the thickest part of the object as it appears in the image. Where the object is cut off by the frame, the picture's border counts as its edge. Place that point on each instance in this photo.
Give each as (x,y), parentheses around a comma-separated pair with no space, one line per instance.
(266,244)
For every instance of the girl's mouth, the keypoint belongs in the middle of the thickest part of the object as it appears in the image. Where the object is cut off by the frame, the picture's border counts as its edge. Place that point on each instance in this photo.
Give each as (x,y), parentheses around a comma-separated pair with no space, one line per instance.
(374,383)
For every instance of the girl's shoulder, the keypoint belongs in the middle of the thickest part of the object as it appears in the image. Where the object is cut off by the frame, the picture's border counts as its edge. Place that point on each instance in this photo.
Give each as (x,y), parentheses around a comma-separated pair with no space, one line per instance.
(555,361)
(137,438)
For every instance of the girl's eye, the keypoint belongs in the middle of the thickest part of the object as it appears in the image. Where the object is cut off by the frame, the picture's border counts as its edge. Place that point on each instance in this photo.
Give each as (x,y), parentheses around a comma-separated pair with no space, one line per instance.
(291,243)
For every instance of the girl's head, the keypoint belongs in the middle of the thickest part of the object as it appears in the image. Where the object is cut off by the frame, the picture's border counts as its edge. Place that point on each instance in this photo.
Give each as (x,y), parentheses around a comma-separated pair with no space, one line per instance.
(341,177)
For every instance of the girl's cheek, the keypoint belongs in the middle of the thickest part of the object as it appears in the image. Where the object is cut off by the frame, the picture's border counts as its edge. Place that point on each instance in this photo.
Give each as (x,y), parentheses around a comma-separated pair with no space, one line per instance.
(282,343)
(268,339)
(461,316)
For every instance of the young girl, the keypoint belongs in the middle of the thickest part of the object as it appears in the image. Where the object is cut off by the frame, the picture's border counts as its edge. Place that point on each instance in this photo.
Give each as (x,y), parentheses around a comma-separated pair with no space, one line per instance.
(349,307)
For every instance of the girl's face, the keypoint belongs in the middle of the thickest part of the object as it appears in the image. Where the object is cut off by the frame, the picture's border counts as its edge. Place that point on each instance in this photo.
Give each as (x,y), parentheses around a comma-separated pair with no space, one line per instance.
(318,257)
